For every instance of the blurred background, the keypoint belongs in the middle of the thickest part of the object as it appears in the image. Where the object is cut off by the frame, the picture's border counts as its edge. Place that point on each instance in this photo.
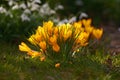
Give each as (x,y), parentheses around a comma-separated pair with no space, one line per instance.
(20,18)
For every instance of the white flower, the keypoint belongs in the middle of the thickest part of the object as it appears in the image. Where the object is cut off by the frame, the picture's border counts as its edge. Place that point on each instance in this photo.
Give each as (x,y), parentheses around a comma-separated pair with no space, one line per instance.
(73,19)
(45,5)
(56,20)
(59,7)
(52,12)
(15,7)
(46,10)
(83,15)
(29,4)
(24,17)
(37,1)
(63,21)
(27,11)
(3,10)
(11,2)
(23,6)
(34,7)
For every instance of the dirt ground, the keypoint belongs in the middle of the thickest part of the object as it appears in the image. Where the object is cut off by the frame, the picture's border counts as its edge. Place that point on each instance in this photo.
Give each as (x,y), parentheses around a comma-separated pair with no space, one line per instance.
(113,33)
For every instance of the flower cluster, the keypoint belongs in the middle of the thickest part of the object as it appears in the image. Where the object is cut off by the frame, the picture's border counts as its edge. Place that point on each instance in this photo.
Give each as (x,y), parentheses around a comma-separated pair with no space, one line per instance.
(59,43)
(28,8)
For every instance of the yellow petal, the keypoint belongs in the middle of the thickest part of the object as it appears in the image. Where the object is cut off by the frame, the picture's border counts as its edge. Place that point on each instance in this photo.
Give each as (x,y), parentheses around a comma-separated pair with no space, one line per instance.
(97,33)
(34,54)
(89,29)
(56,48)
(82,38)
(42,45)
(77,25)
(67,35)
(24,47)
(48,27)
(56,31)
(53,40)
(32,39)
(48,24)
(42,58)
(57,65)
(87,22)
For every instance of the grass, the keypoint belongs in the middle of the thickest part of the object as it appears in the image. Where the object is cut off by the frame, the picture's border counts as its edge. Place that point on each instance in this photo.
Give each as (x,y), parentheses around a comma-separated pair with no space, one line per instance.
(15,65)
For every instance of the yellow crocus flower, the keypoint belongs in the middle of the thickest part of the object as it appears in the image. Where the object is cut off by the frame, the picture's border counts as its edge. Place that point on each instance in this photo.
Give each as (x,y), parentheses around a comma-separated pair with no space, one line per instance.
(43,33)
(57,65)
(56,31)
(89,29)
(48,24)
(82,38)
(56,48)
(39,30)
(32,40)
(77,25)
(84,43)
(42,45)
(42,58)
(48,27)
(61,29)
(87,22)
(34,54)
(97,33)
(35,39)
(53,40)
(65,31)
(67,34)
(24,47)
(38,38)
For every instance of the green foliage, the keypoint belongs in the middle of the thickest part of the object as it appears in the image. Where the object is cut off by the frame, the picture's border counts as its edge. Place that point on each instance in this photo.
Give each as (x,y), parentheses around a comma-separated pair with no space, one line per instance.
(116,60)
(13,29)
(16,65)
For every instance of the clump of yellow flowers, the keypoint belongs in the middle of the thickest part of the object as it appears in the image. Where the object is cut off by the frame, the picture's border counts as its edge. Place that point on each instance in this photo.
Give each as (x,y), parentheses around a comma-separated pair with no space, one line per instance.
(60,43)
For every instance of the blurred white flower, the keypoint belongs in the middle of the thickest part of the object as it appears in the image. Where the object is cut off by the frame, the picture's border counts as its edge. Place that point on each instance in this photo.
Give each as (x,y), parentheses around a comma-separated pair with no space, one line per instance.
(36,1)
(3,10)
(59,7)
(23,6)
(16,6)
(52,11)
(83,15)
(24,17)
(34,7)
(73,19)
(45,5)
(63,21)
(27,11)
(56,20)
(11,2)
(46,10)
